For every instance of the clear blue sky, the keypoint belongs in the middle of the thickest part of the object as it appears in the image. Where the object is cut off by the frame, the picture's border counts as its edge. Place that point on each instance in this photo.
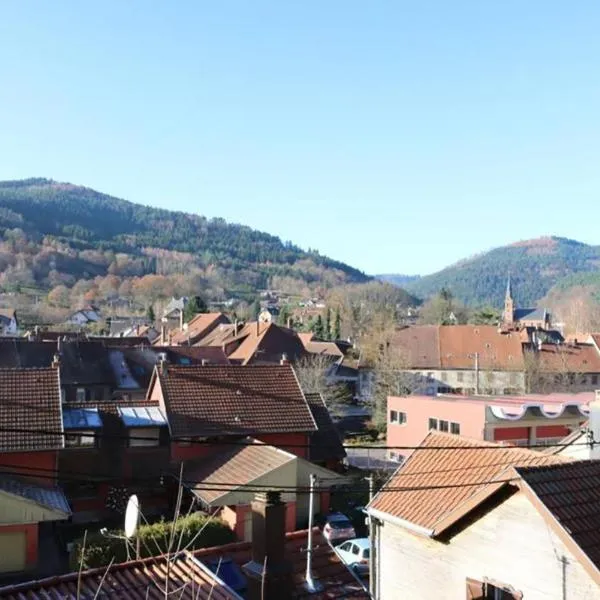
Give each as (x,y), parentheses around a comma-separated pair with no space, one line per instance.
(396,136)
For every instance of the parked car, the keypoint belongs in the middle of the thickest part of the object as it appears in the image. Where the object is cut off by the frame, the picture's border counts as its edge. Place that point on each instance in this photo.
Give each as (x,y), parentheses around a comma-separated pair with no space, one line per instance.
(338,527)
(355,553)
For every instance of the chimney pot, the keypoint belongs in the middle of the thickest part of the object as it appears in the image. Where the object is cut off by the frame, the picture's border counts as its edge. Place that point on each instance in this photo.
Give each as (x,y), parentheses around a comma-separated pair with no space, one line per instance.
(284,359)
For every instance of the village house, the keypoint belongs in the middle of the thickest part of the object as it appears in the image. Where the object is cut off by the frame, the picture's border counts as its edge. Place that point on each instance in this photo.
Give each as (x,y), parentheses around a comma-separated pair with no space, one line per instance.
(466,518)
(30,440)
(86,316)
(532,419)
(196,329)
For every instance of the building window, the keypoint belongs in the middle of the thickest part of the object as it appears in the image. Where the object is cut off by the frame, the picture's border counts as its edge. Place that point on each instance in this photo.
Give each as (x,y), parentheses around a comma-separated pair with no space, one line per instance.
(80,439)
(460,376)
(455,428)
(444,376)
(397,417)
(433,423)
(80,395)
(487,590)
(144,436)
(443,425)
(594,379)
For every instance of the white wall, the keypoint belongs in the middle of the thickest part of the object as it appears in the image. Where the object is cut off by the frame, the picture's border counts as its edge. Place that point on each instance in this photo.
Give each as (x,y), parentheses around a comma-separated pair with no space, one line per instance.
(511,544)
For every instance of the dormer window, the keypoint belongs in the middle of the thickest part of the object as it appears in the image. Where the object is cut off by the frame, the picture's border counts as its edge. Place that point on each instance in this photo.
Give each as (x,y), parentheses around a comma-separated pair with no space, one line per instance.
(80,394)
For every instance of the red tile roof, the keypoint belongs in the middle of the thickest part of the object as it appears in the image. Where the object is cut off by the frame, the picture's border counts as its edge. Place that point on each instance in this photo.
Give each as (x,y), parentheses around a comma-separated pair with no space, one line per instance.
(569,358)
(447,476)
(328,569)
(455,347)
(200,326)
(30,400)
(147,578)
(215,476)
(570,494)
(233,399)
(191,579)
(266,342)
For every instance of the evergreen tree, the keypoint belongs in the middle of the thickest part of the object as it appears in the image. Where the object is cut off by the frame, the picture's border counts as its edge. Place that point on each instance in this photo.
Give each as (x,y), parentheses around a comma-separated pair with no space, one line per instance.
(328,324)
(194,306)
(255,310)
(150,314)
(318,329)
(284,315)
(337,326)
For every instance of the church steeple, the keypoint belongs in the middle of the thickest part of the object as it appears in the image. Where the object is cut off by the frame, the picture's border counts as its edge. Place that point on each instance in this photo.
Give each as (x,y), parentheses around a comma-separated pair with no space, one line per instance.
(509,304)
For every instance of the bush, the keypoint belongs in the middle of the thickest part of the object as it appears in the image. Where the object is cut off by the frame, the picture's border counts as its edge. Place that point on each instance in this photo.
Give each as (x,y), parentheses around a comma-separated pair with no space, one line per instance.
(99,550)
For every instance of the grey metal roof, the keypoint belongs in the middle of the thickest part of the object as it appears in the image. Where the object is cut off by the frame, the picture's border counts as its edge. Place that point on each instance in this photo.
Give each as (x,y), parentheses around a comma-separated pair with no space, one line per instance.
(81,418)
(537,314)
(52,498)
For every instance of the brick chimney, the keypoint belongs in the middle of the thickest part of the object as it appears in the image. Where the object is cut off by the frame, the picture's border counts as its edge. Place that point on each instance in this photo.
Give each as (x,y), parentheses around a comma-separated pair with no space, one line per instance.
(56,361)
(269,573)
(284,359)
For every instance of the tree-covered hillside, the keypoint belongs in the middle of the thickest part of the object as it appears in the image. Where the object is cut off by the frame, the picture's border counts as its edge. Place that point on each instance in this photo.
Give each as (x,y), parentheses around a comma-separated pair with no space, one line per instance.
(535,266)
(76,245)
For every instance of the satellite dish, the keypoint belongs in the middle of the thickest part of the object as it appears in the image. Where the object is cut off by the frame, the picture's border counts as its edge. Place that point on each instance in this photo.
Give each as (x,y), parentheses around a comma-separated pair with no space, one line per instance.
(132,516)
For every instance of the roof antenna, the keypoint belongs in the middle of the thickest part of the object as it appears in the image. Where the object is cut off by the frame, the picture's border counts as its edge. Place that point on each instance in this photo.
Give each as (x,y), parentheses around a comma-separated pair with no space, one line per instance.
(311,585)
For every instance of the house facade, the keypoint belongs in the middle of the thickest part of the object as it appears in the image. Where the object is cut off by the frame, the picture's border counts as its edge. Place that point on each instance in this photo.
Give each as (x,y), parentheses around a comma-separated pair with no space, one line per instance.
(9,325)
(516,420)
(468,519)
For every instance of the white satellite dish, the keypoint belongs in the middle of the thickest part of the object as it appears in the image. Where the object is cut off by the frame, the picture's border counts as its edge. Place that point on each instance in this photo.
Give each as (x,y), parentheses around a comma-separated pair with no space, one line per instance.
(132,516)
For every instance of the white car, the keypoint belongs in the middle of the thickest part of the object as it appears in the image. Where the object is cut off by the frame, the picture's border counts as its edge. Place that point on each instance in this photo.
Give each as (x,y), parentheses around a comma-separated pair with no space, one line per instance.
(338,527)
(355,553)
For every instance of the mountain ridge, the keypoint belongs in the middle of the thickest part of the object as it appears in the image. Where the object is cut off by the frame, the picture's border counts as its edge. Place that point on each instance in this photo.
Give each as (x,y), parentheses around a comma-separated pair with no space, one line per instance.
(536,266)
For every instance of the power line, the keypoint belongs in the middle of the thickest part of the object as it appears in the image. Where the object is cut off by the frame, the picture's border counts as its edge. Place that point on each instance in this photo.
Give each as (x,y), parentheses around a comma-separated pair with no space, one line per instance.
(222,442)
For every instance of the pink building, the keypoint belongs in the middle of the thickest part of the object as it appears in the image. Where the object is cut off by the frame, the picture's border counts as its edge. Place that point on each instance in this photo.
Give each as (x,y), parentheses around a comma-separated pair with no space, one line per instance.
(517,420)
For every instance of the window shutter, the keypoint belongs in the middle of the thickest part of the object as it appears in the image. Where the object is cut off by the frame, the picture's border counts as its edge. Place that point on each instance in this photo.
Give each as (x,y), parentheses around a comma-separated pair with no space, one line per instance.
(475,589)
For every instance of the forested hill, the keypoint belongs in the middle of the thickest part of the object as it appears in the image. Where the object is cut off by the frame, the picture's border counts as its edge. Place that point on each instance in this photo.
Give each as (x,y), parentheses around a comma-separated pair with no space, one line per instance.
(535,266)
(58,233)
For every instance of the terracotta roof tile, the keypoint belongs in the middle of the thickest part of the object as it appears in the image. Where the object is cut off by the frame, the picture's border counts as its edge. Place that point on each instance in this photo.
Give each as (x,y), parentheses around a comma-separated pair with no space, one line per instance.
(460,343)
(421,344)
(234,399)
(569,358)
(30,399)
(144,578)
(239,464)
(327,568)
(200,326)
(570,493)
(329,349)
(445,474)
(325,443)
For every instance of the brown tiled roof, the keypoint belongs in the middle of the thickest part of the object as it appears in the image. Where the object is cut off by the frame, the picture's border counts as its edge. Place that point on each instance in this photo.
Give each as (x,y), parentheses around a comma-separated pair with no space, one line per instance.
(569,358)
(460,343)
(222,334)
(234,399)
(239,465)
(421,346)
(569,492)
(200,326)
(210,354)
(266,342)
(328,349)
(327,568)
(30,400)
(596,339)
(325,443)
(447,476)
(146,578)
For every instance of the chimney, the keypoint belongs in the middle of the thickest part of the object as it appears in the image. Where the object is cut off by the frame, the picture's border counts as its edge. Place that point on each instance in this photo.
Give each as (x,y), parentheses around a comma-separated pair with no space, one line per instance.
(284,359)
(163,332)
(290,323)
(162,362)
(235,327)
(181,319)
(59,345)
(56,361)
(269,573)
(594,426)
(257,327)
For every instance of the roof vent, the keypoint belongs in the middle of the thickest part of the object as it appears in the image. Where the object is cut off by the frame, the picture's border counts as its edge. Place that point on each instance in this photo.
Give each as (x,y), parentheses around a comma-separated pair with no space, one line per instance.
(238,393)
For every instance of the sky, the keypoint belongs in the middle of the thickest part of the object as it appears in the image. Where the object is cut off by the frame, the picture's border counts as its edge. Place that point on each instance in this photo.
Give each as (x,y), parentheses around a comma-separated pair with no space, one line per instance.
(395,136)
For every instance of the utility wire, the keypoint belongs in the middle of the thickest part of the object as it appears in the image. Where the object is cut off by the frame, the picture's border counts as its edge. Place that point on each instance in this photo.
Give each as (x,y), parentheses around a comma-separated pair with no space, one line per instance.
(223,442)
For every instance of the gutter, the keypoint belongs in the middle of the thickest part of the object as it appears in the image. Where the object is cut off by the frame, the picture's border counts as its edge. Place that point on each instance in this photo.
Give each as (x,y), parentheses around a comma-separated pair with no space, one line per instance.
(386,517)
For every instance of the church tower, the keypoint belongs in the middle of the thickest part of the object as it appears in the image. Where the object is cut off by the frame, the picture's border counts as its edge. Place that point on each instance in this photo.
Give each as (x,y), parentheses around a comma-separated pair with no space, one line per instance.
(509,305)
